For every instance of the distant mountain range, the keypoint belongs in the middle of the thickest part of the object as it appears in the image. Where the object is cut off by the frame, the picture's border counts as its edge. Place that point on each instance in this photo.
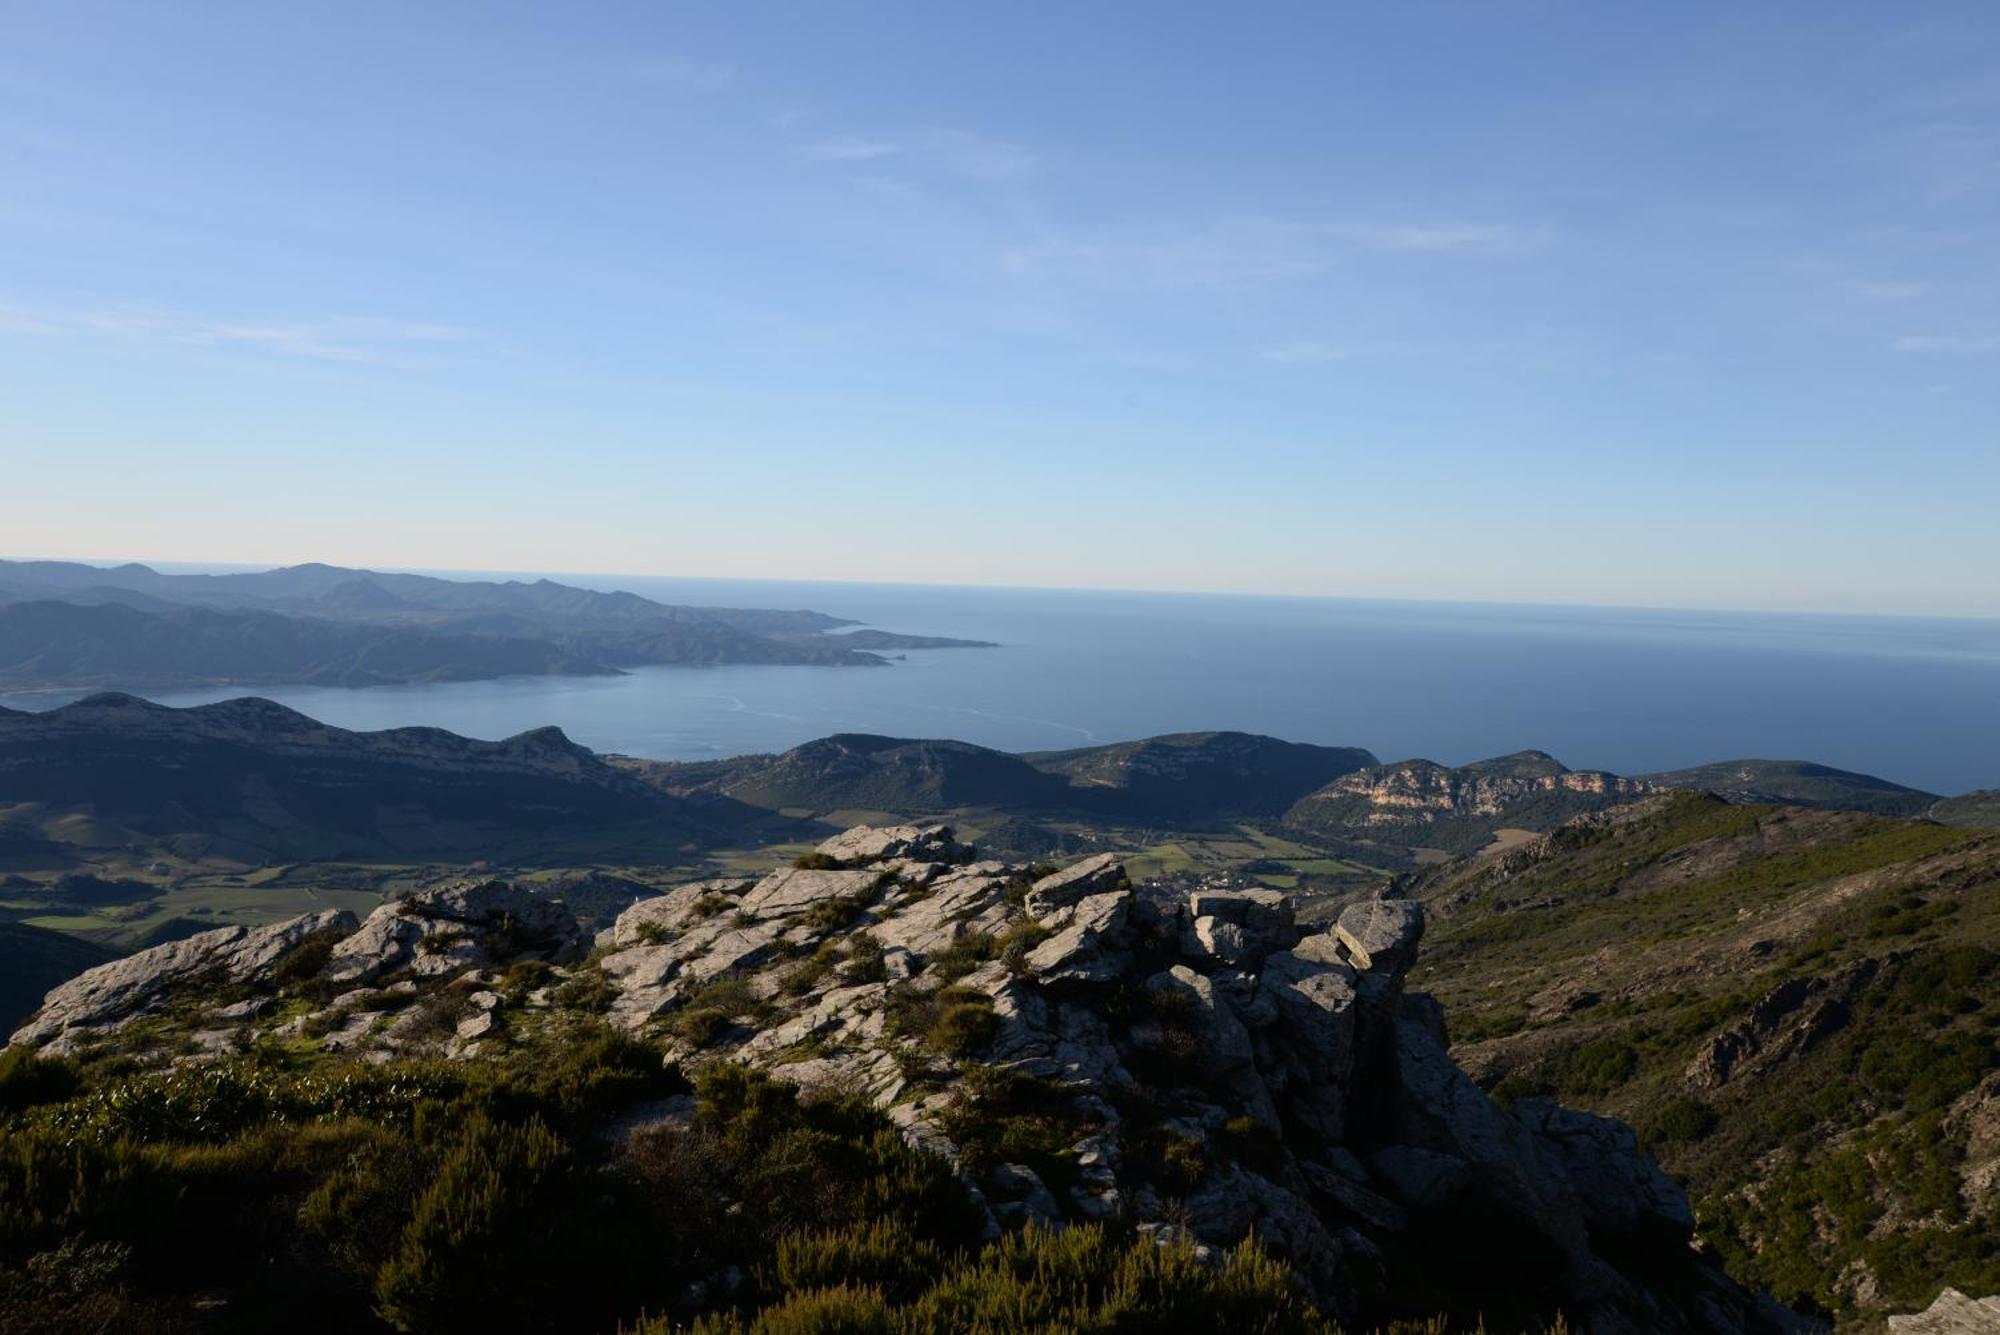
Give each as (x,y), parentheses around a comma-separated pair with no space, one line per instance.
(251,780)
(69,624)
(1182,777)
(256,781)
(1341,795)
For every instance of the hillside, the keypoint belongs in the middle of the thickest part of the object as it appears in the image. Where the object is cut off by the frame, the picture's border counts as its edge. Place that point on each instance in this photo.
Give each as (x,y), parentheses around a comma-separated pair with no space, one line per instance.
(252,780)
(110,643)
(1977,810)
(1205,774)
(1420,804)
(901,1090)
(1796,1007)
(1798,783)
(1183,778)
(63,623)
(861,772)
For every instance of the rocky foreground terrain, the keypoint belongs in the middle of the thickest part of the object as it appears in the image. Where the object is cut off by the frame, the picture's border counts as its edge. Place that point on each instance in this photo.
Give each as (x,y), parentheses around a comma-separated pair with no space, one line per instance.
(1192,1068)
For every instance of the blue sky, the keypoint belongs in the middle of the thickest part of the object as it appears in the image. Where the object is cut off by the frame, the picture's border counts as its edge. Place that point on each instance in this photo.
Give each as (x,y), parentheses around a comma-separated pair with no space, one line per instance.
(1680,304)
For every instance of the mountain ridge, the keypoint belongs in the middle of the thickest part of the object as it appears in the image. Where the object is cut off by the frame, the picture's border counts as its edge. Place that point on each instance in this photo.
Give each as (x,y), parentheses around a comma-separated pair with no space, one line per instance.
(64,623)
(253,775)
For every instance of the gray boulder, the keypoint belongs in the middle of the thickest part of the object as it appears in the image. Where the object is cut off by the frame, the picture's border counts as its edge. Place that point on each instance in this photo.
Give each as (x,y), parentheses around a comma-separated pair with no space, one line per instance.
(112,993)
(1381,934)
(1092,876)
(1952,1314)
(454,927)
(793,890)
(1088,943)
(871,843)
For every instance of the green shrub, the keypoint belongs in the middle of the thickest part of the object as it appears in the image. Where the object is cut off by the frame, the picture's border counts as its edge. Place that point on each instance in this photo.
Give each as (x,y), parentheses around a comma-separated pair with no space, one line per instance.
(865,962)
(1015,943)
(485,1248)
(1596,1068)
(880,1254)
(1681,1119)
(962,1028)
(27,1079)
(964,955)
(708,1012)
(305,960)
(815,968)
(588,991)
(831,913)
(1254,1145)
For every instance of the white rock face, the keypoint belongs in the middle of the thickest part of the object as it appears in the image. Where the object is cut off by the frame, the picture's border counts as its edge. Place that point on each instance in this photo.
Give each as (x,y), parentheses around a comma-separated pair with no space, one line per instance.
(1092,876)
(1087,944)
(1952,1314)
(453,927)
(110,994)
(918,843)
(666,914)
(1382,934)
(794,891)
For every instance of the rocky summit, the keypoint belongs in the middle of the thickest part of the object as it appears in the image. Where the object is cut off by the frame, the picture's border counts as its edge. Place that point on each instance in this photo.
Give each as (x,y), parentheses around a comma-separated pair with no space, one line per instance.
(1196,1067)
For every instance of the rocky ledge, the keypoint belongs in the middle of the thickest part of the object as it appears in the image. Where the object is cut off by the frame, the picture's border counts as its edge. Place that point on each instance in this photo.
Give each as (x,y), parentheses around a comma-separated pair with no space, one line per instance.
(1080,1047)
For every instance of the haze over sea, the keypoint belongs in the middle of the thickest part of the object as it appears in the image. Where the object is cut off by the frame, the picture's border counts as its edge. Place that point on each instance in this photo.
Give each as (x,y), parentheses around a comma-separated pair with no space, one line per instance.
(1915,700)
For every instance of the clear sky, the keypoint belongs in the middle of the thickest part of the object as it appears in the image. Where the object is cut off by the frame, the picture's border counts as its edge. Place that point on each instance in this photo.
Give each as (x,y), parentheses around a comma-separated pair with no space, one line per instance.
(1688,304)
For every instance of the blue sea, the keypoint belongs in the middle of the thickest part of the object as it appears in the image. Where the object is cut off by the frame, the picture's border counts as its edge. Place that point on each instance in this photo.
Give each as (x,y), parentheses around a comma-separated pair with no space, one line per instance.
(1915,700)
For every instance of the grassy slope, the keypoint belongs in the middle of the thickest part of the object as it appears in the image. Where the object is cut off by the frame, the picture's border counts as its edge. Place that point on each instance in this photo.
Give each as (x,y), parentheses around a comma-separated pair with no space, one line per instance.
(1599,966)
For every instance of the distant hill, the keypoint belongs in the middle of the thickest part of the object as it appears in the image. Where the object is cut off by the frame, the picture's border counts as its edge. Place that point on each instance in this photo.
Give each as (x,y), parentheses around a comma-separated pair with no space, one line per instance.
(1186,777)
(1979,809)
(1422,804)
(1800,783)
(1794,1006)
(34,960)
(115,644)
(254,780)
(1205,773)
(858,771)
(64,623)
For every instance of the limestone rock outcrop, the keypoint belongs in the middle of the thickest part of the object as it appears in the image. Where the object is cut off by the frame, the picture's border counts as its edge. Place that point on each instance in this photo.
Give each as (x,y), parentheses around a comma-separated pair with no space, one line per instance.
(442,930)
(1952,1314)
(1079,1047)
(108,996)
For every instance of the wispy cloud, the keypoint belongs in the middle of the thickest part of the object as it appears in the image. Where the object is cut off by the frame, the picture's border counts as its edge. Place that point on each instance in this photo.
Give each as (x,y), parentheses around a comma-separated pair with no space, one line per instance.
(1462,238)
(1948,161)
(1313,352)
(1880,289)
(342,338)
(955,152)
(687,75)
(852,148)
(1250,252)
(1947,344)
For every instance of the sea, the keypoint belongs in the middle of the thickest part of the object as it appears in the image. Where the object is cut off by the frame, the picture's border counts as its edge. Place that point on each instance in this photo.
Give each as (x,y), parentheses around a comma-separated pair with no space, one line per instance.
(1913,700)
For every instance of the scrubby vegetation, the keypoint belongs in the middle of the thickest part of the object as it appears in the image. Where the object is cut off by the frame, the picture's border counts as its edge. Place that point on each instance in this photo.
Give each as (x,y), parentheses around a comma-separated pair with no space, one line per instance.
(261,1193)
(1830,1162)
(880,1279)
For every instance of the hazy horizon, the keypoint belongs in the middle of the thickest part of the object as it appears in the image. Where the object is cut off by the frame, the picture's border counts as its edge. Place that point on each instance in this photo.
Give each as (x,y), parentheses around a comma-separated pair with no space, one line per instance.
(1692,307)
(604,578)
